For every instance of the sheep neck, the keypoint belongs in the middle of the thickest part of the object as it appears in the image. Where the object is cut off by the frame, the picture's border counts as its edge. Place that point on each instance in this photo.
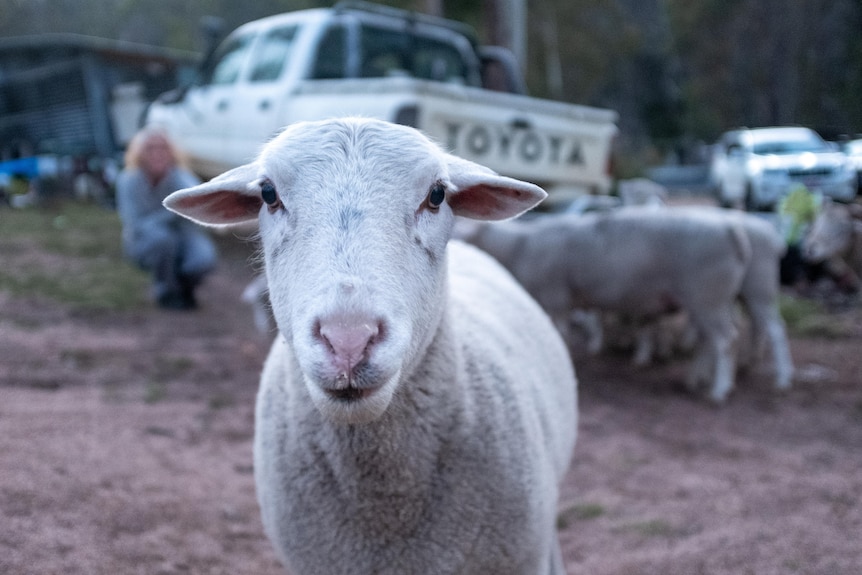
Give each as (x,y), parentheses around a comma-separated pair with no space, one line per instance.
(398,453)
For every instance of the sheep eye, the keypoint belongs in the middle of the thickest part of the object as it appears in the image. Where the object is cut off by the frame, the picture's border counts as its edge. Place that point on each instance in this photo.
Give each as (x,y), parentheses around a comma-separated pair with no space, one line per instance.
(436,195)
(270,196)
(268,193)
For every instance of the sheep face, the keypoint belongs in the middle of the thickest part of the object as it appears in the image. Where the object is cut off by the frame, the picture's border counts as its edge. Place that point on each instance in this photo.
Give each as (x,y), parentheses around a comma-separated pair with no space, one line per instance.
(830,234)
(354,220)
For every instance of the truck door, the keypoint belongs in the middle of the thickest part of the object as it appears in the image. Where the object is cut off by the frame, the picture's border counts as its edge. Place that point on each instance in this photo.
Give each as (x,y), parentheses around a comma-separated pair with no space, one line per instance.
(209,106)
(256,108)
(735,175)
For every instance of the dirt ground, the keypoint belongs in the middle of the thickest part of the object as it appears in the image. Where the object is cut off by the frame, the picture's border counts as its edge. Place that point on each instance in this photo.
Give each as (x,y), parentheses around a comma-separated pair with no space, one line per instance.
(125,448)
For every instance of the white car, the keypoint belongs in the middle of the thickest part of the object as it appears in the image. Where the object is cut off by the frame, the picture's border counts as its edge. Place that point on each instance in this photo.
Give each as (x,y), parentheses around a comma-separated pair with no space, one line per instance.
(853,149)
(755,168)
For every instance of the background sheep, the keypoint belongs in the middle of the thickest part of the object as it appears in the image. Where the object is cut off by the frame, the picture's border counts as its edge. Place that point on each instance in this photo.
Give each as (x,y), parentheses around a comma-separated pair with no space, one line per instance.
(642,192)
(407,422)
(669,333)
(640,262)
(760,292)
(256,295)
(835,238)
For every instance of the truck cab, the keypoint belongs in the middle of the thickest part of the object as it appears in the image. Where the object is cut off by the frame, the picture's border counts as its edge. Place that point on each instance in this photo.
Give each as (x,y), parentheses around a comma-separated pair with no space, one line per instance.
(364,59)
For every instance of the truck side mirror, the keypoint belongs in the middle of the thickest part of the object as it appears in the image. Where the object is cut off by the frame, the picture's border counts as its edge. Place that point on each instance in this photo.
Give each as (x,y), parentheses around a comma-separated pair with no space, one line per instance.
(213,31)
(735,151)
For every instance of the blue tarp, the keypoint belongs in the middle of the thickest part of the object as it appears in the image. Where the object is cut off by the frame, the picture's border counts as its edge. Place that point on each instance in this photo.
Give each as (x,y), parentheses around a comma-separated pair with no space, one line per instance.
(31,167)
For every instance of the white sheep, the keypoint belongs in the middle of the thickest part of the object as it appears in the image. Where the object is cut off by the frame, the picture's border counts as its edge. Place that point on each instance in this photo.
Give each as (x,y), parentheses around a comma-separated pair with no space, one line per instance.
(638,262)
(585,260)
(835,239)
(759,294)
(418,409)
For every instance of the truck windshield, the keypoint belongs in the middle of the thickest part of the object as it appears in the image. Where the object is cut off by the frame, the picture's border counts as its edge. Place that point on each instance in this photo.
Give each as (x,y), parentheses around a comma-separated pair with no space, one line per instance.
(272,54)
(387,52)
(228,60)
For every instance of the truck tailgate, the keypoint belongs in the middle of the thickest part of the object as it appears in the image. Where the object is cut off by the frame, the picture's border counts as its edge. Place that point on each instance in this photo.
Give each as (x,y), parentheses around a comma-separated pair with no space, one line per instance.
(542,141)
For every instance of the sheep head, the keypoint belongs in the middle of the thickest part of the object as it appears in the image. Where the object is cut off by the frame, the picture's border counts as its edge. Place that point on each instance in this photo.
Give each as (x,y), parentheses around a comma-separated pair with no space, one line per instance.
(830,234)
(354,217)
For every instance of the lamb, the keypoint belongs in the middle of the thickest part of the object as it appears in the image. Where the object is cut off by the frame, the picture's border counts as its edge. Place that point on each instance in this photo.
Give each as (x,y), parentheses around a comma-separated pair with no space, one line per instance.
(835,238)
(418,409)
(635,261)
(759,294)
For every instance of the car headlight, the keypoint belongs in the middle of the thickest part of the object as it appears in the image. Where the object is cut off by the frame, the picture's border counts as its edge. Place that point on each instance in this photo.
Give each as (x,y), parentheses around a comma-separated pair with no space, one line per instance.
(754,167)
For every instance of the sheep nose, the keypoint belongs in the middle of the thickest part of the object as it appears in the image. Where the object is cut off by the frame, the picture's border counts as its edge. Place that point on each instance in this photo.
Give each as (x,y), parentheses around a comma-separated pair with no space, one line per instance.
(348,340)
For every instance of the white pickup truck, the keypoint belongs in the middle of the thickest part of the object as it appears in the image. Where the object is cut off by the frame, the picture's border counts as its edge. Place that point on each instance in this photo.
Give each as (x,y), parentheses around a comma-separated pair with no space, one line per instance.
(364,59)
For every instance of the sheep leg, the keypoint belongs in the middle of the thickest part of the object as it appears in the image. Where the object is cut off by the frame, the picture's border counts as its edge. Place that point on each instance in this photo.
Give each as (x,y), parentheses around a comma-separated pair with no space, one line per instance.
(645,337)
(700,368)
(725,369)
(767,326)
(256,294)
(781,354)
(782,360)
(557,567)
(590,323)
(719,335)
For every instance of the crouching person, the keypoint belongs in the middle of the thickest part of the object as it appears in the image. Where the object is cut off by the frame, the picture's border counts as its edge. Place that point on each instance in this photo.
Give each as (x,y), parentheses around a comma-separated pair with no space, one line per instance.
(178,253)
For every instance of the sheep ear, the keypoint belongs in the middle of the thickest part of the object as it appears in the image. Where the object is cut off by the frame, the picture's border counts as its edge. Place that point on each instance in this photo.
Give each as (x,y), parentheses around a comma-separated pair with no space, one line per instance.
(482,194)
(229,199)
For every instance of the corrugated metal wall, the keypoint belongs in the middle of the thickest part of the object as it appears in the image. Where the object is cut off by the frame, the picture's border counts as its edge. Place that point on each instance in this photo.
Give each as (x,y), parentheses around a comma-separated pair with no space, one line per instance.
(56,94)
(45,109)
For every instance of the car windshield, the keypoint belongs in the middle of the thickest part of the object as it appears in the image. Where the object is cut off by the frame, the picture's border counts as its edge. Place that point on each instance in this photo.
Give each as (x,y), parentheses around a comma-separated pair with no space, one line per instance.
(789,146)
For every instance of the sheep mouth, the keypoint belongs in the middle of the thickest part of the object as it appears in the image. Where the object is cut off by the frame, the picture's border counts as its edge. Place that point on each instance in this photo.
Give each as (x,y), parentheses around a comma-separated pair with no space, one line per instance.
(350,394)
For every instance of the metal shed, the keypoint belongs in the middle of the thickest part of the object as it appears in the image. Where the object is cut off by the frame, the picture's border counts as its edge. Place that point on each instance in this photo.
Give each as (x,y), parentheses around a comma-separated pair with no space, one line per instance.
(73,95)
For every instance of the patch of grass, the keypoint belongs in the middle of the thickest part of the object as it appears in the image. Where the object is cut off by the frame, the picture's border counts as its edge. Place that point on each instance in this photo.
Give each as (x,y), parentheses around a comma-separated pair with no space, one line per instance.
(155,392)
(78,358)
(579,512)
(168,368)
(650,528)
(71,254)
(807,318)
(220,401)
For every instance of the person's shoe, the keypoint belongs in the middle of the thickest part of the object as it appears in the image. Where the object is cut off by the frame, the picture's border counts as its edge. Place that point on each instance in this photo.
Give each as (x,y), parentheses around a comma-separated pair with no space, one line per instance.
(187,291)
(175,301)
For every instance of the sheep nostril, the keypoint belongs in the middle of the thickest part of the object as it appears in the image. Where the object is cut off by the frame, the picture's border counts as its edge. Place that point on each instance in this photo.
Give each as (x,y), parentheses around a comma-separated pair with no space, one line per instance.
(348,340)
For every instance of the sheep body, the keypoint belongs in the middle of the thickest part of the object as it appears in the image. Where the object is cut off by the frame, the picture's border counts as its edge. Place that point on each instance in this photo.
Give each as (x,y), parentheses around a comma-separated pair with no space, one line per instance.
(418,409)
(635,261)
(448,467)
(759,293)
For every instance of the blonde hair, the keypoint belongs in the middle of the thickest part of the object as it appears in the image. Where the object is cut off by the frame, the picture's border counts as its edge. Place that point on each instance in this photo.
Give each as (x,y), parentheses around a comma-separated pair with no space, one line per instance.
(132,158)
